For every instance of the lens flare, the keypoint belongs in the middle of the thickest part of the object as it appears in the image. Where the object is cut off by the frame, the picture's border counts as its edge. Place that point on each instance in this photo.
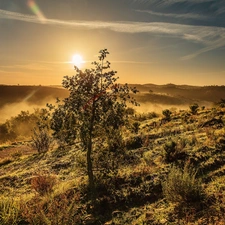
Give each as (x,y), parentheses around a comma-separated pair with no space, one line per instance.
(36,10)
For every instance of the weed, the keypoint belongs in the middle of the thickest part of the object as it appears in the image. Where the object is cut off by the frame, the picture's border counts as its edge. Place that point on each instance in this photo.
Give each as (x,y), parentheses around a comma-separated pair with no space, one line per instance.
(9,211)
(59,210)
(43,184)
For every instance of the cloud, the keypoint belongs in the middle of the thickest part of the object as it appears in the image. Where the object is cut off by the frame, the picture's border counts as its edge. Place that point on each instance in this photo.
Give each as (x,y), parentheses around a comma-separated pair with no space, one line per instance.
(210,37)
(131,62)
(171,2)
(173,15)
(31,66)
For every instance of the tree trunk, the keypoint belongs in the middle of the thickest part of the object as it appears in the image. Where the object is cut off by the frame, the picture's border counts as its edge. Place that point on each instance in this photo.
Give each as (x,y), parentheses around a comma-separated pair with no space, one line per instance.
(89,168)
(89,159)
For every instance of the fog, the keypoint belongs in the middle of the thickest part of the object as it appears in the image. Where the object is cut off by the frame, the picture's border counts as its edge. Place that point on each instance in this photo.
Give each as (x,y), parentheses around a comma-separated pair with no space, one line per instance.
(13,109)
(158,108)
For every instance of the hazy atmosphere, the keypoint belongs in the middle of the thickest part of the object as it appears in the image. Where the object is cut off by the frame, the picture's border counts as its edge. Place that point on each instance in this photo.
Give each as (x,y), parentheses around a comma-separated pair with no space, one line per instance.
(150,41)
(112,112)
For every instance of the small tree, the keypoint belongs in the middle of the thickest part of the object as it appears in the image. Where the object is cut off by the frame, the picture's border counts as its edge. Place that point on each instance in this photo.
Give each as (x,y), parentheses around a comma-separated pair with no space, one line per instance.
(95,106)
(194,108)
(167,114)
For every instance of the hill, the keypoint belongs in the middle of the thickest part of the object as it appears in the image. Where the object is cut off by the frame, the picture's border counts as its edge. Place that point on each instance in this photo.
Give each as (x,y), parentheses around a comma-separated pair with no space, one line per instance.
(32,95)
(172,172)
(152,97)
(163,94)
(14,99)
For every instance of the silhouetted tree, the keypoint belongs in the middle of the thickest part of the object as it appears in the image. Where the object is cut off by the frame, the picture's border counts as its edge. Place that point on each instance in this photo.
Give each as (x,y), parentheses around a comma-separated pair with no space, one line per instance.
(95,107)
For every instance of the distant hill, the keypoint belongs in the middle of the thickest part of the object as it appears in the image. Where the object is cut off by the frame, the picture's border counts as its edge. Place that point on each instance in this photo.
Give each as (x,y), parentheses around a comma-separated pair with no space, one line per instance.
(168,94)
(37,95)
(180,94)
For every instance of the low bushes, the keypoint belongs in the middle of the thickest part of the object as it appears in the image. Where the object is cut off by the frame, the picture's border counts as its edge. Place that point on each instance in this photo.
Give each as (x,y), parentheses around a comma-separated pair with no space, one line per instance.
(182,186)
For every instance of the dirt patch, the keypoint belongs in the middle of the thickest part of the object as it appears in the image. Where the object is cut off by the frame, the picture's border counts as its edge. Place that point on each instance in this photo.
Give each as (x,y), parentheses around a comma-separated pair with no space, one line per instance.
(16,150)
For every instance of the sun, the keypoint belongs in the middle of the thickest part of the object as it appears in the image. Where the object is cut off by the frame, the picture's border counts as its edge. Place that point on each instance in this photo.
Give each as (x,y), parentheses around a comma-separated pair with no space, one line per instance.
(77,60)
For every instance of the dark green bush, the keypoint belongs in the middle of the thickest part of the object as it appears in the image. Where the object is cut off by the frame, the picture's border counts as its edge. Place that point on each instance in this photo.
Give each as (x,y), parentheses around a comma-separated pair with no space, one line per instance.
(181,186)
(134,142)
(194,108)
(167,114)
(173,151)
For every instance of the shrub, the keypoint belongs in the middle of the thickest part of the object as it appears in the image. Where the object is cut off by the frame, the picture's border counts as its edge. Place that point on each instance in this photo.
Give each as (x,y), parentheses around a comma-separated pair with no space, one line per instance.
(174,151)
(135,127)
(194,108)
(182,186)
(43,184)
(59,210)
(167,114)
(134,143)
(42,141)
(130,111)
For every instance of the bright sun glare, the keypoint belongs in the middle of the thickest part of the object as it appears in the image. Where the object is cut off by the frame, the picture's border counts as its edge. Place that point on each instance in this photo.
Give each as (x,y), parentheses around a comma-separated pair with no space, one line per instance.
(77,60)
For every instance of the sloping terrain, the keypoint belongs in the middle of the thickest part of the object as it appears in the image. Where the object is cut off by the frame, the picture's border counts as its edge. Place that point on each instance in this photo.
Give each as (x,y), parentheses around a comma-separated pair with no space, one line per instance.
(33,95)
(143,191)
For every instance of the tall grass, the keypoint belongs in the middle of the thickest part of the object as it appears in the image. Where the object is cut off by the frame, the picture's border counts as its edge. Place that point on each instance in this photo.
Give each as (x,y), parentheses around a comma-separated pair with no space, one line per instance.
(181,186)
(9,211)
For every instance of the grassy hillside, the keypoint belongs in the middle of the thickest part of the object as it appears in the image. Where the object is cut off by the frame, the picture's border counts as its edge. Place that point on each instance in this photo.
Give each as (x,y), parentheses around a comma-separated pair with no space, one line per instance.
(171,172)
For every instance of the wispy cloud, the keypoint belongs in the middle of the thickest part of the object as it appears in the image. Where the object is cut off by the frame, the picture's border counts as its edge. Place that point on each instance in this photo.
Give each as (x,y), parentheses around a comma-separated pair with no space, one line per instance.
(31,66)
(132,62)
(173,15)
(210,37)
(171,2)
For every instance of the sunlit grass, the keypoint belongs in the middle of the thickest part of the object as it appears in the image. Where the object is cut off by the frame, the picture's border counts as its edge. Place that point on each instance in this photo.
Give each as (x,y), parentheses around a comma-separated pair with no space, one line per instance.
(135,186)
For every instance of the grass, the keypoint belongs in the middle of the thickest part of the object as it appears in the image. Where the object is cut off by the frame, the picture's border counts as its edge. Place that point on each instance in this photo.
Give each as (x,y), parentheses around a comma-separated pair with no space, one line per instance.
(165,169)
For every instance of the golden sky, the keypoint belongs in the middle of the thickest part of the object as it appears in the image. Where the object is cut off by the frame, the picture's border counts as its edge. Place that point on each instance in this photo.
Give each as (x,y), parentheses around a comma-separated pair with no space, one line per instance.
(150,41)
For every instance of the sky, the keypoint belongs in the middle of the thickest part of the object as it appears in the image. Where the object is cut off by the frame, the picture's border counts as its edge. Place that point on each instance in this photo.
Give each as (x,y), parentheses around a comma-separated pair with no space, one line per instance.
(150,41)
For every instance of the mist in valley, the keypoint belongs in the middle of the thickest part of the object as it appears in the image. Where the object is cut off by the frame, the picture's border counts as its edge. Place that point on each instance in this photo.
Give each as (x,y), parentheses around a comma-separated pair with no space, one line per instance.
(152,98)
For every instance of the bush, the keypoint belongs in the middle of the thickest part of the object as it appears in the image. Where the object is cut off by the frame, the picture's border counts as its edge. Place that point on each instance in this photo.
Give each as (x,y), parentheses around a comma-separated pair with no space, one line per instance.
(135,127)
(182,186)
(43,184)
(134,143)
(62,209)
(194,108)
(167,114)
(174,152)
(42,141)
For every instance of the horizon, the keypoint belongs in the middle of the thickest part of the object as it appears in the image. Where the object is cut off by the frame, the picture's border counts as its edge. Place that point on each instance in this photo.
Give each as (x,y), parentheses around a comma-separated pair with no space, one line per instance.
(144,84)
(150,41)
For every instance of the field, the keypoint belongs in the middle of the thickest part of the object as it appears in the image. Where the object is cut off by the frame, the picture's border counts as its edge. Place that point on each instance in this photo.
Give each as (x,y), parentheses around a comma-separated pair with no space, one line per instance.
(172,169)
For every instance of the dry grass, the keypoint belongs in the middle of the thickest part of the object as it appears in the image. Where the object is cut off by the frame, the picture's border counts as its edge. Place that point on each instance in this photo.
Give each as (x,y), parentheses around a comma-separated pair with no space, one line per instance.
(132,195)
